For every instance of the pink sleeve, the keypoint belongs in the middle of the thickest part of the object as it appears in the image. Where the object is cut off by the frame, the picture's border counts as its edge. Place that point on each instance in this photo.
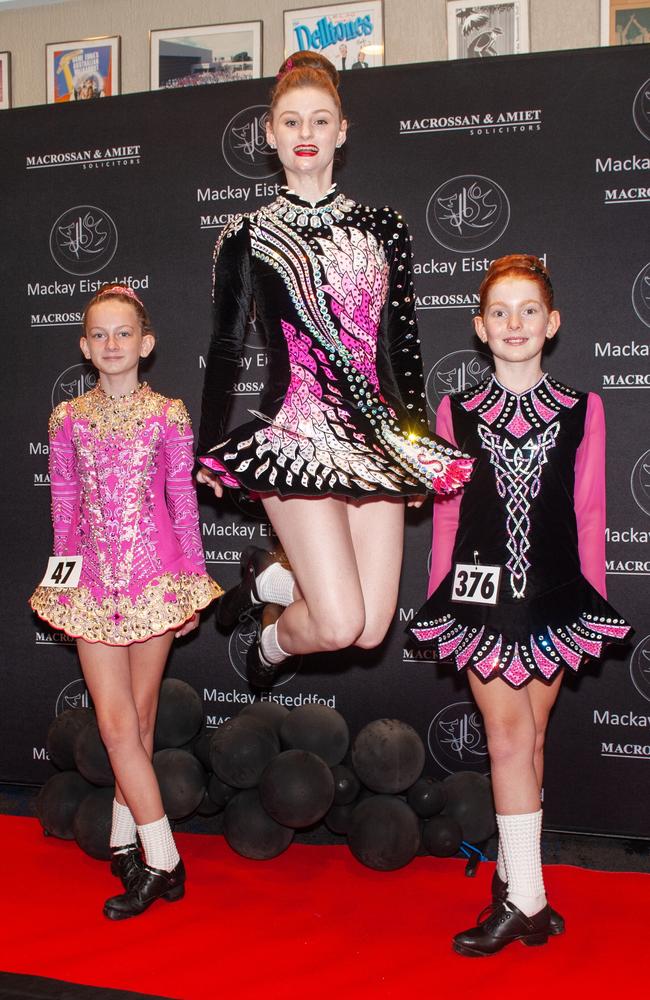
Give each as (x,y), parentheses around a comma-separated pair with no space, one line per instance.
(589,496)
(64,484)
(446,510)
(179,487)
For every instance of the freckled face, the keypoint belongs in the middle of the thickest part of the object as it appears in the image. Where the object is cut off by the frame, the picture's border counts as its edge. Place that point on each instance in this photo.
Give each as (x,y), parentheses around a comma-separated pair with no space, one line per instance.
(516,322)
(306,128)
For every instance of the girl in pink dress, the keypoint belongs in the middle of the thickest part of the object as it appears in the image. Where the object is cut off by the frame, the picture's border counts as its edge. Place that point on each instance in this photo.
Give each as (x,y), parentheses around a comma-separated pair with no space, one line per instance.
(517,588)
(123,500)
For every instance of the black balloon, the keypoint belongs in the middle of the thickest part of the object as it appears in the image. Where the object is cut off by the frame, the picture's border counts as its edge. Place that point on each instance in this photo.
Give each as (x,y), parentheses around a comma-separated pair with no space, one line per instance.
(297,788)
(92,823)
(319,729)
(202,748)
(240,750)
(219,791)
(62,734)
(267,711)
(250,830)
(338,818)
(346,785)
(58,800)
(388,755)
(90,756)
(180,714)
(442,836)
(427,797)
(384,833)
(469,801)
(182,781)
(207,807)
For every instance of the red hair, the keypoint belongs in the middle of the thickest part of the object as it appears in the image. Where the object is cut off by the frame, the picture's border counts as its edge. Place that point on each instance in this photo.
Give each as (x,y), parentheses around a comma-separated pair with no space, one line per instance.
(517,265)
(307,69)
(121,293)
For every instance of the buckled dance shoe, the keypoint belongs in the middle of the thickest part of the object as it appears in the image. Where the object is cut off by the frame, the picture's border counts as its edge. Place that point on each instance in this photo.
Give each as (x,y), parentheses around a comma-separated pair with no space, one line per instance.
(259,672)
(243,596)
(151,884)
(556,924)
(503,924)
(126,863)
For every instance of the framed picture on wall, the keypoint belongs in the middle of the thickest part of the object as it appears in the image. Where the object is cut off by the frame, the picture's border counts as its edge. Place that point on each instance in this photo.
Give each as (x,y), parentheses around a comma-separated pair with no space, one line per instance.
(624,22)
(478,31)
(208,53)
(83,70)
(5,80)
(351,35)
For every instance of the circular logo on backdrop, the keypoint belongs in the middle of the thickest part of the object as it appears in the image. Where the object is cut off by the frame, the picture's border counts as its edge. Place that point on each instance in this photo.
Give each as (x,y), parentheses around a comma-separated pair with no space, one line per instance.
(456,372)
(74,695)
(73,382)
(468,213)
(640,482)
(641,109)
(457,739)
(241,640)
(640,668)
(83,240)
(641,295)
(244,144)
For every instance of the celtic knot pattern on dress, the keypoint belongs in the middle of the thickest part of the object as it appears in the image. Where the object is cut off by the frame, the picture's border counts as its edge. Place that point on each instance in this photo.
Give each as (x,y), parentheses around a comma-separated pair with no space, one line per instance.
(518,470)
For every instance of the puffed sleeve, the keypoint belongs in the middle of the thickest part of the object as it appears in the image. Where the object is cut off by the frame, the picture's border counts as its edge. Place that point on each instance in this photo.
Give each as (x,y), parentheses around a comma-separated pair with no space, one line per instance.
(180,493)
(64,481)
(232,296)
(446,510)
(399,332)
(589,496)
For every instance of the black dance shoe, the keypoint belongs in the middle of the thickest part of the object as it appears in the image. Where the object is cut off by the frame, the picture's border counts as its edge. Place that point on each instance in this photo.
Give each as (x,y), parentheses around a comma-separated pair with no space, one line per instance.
(126,863)
(261,674)
(151,884)
(556,924)
(503,924)
(243,596)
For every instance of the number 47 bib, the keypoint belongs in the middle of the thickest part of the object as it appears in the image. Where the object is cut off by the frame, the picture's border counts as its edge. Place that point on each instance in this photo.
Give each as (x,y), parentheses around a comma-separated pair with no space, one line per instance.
(476,584)
(62,572)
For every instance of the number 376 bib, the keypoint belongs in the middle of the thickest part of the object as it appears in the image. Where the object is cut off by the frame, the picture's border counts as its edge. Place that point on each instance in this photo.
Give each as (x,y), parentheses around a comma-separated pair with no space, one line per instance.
(476,584)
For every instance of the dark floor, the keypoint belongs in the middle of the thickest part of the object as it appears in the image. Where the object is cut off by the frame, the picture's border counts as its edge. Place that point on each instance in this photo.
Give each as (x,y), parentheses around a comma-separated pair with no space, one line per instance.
(614,854)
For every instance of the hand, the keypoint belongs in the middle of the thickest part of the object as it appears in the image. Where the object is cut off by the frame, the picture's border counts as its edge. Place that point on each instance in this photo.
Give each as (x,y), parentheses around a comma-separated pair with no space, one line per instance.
(189,626)
(210,479)
(415,501)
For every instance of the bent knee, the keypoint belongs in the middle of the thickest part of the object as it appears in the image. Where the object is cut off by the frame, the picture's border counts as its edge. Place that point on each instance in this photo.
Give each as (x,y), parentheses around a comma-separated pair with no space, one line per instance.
(508,741)
(373,635)
(331,635)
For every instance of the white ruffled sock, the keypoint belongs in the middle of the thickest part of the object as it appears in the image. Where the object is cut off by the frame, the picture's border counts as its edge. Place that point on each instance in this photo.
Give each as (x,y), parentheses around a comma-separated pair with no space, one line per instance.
(275,585)
(520,837)
(158,845)
(122,827)
(270,649)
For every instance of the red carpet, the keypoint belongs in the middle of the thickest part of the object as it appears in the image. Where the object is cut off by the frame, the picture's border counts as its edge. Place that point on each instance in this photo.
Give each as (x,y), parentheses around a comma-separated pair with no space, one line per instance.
(313,924)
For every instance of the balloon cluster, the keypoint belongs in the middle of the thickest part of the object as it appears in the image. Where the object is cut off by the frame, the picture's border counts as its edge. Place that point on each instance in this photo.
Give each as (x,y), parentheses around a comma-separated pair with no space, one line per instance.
(273,771)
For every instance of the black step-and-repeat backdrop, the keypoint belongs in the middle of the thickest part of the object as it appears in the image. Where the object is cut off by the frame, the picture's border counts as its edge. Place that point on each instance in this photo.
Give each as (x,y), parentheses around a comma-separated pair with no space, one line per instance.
(548,154)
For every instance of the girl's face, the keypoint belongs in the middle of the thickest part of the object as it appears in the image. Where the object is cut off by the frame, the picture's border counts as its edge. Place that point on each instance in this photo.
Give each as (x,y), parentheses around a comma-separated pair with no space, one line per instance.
(306,128)
(113,340)
(516,322)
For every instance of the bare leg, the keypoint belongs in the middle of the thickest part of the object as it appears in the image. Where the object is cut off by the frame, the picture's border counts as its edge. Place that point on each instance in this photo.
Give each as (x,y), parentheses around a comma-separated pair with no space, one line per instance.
(542,698)
(316,537)
(377,530)
(108,674)
(511,733)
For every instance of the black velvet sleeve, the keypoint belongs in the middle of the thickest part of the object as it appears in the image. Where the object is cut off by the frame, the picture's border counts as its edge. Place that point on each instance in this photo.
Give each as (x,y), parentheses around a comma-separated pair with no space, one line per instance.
(232,296)
(399,354)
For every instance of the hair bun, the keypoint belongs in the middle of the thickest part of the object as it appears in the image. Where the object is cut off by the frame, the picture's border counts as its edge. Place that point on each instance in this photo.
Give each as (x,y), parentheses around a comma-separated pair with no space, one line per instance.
(309,60)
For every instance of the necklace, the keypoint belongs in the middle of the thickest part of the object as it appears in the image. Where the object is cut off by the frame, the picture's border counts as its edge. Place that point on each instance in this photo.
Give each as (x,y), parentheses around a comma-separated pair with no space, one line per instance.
(123,395)
(313,216)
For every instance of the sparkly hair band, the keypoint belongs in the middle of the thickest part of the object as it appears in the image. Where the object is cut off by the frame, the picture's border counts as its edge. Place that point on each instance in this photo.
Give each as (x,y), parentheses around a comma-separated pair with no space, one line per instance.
(288,66)
(121,290)
(536,269)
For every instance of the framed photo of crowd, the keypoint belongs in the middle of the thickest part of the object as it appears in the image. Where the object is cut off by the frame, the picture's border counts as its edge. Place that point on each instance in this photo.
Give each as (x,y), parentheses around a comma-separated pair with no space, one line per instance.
(624,22)
(351,35)
(82,70)
(5,80)
(487,29)
(208,53)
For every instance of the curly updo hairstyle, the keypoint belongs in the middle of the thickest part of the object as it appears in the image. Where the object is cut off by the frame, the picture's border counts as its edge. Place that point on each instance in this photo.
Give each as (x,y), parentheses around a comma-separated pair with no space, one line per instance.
(307,69)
